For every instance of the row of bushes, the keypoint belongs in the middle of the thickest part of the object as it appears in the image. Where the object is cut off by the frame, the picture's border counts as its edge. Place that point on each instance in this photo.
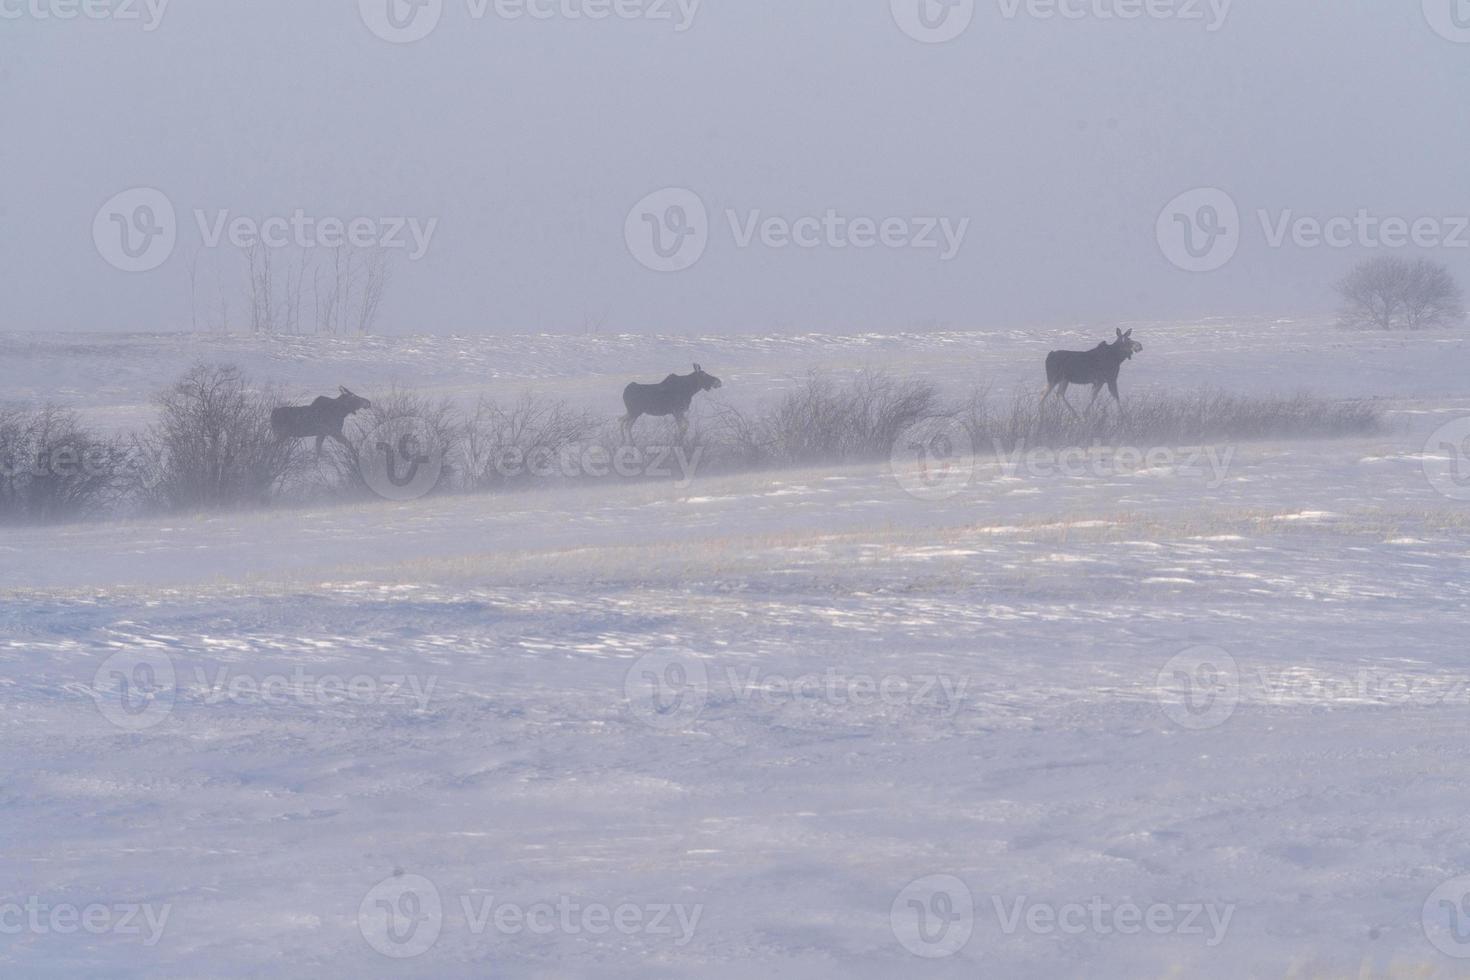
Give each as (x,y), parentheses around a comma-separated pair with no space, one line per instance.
(211,446)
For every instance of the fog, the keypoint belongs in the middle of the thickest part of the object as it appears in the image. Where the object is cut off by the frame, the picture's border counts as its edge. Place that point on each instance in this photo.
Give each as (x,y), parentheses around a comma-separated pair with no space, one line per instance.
(1049,144)
(748,489)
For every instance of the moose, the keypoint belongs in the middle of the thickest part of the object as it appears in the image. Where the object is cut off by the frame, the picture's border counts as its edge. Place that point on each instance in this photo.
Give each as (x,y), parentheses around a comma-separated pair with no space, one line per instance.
(322,419)
(1096,367)
(671,396)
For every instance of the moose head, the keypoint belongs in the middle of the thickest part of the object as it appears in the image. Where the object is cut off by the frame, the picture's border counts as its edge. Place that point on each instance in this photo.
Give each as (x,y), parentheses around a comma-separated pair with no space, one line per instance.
(1126,344)
(705,382)
(353,403)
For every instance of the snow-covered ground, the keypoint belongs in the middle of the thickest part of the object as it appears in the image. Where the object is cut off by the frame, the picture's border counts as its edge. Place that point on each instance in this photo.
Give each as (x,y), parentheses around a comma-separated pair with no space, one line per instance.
(1200,716)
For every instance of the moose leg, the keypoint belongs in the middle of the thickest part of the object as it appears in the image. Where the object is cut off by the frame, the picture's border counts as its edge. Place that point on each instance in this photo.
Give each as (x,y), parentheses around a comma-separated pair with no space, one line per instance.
(1113,387)
(627,424)
(339,437)
(683,421)
(1062,391)
(1095,389)
(1047,393)
(319,441)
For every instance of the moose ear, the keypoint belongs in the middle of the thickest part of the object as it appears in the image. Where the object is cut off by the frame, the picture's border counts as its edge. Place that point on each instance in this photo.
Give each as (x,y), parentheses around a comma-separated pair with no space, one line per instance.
(343,389)
(1128,334)
(1120,332)
(698,368)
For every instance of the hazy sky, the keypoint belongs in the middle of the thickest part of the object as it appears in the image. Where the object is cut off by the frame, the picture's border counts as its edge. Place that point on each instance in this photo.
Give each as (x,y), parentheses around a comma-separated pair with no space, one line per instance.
(1048,145)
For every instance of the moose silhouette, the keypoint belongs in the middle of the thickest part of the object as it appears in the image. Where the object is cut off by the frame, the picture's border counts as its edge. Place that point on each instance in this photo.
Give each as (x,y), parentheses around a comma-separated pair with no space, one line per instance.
(322,419)
(1096,367)
(671,396)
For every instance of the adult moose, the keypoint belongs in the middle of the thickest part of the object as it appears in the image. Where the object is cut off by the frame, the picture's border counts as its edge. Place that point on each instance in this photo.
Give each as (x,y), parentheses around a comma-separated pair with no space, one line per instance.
(1096,367)
(322,419)
(671,396)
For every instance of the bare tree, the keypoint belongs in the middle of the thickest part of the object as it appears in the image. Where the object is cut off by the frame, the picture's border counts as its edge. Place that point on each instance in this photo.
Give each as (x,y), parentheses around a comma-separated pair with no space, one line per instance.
(1393,293)
(328,294)
(194,291)
(592,323)
(295,280)
(260,288)
(349,291)
(375,277)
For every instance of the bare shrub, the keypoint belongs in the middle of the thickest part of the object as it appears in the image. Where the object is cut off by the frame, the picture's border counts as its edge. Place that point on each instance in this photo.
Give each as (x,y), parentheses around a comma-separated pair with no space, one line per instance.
(736,439)
(212,445)
(826,421)
(1392,293)
(508,445)
(53,469)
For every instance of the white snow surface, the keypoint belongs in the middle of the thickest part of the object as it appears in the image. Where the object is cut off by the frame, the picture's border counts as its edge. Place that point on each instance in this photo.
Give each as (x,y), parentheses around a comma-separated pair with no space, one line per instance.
(505,750)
